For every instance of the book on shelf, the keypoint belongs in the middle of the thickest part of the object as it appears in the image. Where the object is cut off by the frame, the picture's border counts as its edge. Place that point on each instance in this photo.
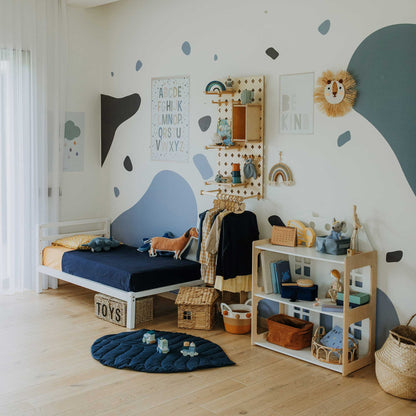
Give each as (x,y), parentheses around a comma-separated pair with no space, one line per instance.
(265,281)
(282,274)
(331,308)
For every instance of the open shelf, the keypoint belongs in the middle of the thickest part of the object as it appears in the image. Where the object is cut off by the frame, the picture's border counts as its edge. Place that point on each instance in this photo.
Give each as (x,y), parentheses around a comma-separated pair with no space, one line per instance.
(304,304)
(302,251)
(304,355)
(232,185)
(219,93)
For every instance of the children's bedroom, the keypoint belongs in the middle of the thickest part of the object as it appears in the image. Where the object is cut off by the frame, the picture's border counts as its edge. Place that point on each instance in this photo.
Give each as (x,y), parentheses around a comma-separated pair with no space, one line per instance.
(207,207)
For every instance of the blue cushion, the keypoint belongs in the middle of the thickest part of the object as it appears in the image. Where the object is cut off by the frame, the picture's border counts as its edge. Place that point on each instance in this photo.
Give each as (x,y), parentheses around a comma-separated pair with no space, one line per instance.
(333,338)
(126,350)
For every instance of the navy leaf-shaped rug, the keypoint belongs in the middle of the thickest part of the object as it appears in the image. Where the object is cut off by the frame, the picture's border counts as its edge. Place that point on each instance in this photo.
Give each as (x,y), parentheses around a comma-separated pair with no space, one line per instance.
(126,350)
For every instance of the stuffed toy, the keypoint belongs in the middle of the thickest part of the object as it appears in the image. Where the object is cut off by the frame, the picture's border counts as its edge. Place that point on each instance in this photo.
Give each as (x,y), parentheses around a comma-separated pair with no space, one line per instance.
(336,232)
(176,245)
(102,244)
(146,245)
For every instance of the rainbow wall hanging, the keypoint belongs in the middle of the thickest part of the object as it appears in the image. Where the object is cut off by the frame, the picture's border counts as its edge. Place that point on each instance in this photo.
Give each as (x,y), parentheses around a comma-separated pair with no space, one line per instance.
(283,171)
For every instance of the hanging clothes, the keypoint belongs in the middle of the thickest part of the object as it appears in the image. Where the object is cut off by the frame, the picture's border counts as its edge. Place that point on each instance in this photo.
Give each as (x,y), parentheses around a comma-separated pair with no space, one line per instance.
(238,231)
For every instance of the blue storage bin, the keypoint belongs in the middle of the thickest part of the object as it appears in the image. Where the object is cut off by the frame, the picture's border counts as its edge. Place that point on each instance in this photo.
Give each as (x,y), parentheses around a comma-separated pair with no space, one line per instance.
(300,293)
(330,246)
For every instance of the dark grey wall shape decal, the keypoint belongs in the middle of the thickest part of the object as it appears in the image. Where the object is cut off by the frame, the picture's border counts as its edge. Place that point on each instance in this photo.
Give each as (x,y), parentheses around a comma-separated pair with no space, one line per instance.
(112,73)
(324,27)
(215,57)
(272,52)
(139,64)
(384,65)
(344,138)
(394,256)
(204,123)
(169,204)
(115,111)
(127,164)
(116,192)
(186,48)
(386,318)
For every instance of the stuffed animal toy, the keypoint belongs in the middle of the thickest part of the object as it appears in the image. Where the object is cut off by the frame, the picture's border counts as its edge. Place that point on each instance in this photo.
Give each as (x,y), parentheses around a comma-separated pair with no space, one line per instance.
(336,232)
(249,169)
(102,244)
(176,245)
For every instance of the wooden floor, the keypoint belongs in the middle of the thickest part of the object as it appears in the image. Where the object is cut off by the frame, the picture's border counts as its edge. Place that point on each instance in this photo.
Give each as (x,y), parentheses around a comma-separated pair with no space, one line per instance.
(46,369)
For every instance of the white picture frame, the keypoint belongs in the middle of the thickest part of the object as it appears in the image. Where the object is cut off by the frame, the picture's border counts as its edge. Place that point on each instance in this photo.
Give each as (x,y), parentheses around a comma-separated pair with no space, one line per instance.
(296,103)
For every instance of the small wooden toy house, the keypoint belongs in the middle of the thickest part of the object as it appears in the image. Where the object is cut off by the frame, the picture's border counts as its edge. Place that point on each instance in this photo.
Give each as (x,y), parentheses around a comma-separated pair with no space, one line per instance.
(196,307)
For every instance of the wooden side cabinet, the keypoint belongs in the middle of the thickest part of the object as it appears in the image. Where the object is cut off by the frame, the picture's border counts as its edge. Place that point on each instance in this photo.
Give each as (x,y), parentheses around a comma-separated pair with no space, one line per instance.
(246,123)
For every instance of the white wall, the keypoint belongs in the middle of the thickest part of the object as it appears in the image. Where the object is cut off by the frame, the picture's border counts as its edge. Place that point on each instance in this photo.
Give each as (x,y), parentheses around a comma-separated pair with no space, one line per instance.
(329,179)
(82,192)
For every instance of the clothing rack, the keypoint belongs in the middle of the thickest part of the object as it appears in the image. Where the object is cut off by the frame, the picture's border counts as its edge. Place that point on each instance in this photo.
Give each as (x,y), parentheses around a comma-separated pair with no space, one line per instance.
(229,202)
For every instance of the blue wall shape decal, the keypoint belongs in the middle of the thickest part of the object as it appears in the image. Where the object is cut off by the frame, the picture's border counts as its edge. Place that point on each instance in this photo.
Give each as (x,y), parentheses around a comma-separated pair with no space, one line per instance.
(386,318)
(385,65)
(112,73)
(127,164)
(202,164)
(186,48)
(115,111)
(116,192)
(169,204)
(344,138)
(139,64)
(204,123)
(272,52)
(324,27)
(215,57)
(394,256)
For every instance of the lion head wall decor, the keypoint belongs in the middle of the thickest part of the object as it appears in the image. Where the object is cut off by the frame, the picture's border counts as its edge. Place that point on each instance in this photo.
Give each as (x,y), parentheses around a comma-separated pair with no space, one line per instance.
(335,94)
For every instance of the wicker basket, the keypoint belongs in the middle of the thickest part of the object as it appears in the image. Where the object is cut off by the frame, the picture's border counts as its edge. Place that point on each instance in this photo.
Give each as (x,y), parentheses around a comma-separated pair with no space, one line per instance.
(396,362)
(284,236)
(328,354)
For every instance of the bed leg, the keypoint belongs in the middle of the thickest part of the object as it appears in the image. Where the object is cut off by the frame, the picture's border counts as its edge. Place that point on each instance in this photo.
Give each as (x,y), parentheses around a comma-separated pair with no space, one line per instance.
(39,283)
(131,312)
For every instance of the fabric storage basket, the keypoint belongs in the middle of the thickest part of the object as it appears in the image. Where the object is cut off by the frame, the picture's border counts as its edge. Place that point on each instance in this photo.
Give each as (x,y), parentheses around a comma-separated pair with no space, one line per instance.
(396,362)
(330,246)
(289,332)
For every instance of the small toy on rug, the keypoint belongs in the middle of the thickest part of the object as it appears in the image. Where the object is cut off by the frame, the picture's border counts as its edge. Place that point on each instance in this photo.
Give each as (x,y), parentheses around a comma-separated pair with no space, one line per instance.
(102,244)
(162,345)
(336,232)
(335,287)
(149,337)
(176,245)
(189,349)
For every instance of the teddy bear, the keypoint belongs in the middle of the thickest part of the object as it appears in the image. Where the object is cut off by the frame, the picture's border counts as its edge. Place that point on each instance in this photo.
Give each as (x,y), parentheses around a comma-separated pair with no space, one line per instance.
(336,232)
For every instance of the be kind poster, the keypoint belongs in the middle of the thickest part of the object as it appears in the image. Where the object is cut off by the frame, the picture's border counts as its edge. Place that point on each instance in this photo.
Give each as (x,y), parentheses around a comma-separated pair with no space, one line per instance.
(170,119)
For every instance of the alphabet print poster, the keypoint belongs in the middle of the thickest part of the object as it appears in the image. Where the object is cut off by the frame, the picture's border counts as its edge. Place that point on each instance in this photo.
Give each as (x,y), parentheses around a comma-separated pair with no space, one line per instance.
(170,119)
(296,103)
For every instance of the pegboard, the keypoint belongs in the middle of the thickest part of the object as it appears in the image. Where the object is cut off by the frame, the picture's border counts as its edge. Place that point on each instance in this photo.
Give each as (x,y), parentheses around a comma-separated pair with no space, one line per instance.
(255,150)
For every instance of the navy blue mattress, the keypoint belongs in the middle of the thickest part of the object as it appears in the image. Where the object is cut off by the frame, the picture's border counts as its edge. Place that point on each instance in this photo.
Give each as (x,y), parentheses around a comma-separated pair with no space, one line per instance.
(127,269)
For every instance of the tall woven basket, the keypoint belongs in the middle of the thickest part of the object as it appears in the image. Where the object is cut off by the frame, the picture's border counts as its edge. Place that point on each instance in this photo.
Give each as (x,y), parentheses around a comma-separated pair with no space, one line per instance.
(396,362)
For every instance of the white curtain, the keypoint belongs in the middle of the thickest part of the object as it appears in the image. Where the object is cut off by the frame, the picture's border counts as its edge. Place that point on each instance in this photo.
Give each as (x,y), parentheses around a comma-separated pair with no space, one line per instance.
(32,98)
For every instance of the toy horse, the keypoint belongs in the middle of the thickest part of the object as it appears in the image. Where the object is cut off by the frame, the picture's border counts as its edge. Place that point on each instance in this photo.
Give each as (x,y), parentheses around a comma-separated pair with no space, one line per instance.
(177,245)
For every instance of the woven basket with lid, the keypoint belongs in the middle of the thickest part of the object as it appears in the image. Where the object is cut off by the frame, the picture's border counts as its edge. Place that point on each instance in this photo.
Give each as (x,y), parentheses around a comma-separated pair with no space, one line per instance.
(396,362)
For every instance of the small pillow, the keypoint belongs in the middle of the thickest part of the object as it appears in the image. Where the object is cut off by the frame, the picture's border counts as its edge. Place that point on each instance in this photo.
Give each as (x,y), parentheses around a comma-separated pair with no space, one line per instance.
(333,338)
(75,242)
(102,244)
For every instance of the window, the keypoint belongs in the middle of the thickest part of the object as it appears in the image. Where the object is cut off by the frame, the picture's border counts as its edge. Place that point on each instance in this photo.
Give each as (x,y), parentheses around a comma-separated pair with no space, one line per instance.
(187,315)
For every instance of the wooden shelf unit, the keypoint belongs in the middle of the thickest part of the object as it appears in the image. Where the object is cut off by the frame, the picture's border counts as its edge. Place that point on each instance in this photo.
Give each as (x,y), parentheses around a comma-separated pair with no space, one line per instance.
(348,316)
(246,123)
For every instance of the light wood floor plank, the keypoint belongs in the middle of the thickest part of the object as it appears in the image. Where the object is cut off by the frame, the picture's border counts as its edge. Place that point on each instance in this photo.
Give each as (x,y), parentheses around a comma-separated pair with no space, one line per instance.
(47,370)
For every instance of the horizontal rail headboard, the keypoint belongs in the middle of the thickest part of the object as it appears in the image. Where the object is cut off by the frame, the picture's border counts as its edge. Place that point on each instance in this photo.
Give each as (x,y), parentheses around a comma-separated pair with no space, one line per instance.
(96,226)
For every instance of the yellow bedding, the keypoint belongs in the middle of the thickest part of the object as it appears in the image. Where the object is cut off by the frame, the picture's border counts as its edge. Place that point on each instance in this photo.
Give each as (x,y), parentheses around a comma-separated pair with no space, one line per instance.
(52,256)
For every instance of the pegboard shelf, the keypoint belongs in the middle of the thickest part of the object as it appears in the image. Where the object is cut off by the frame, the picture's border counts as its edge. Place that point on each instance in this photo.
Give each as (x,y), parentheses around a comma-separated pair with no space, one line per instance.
(230,184)
(219,92)
(215,146)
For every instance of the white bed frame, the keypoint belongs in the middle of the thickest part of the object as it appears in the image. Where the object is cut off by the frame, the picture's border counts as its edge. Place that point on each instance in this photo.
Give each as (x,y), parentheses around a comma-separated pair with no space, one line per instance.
(47,233)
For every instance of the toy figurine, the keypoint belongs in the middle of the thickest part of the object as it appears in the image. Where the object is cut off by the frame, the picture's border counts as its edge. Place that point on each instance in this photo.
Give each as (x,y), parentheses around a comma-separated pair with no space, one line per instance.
(149,337)
(219,178)
(336,232)
(229,84)
(317,303)
(189,349)
(162,345)
(249,169)
(354,238)
(335,287)
(216,139)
